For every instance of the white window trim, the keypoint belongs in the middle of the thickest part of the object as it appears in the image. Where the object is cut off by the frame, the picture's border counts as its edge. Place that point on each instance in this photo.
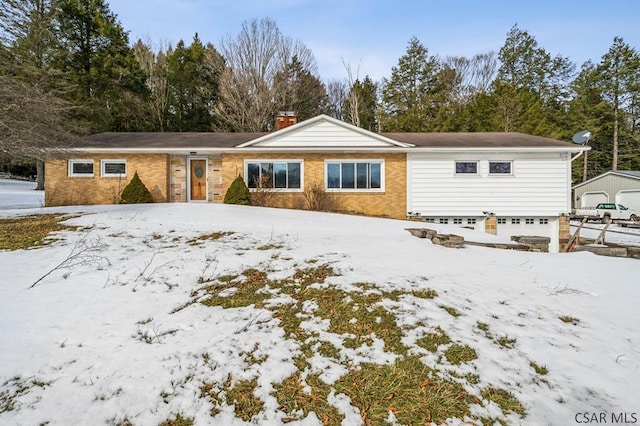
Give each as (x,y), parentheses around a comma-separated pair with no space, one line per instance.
(275,160)
(500,174)
(74,161)
(103,173)
(354,160)
(476,174)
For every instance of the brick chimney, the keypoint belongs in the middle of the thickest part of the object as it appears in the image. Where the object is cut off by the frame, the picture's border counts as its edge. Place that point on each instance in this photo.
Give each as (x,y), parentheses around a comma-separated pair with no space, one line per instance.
(285,119)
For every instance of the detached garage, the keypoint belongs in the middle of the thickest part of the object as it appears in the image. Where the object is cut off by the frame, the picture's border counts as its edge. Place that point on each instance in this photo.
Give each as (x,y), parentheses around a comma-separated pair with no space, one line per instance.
(619,186)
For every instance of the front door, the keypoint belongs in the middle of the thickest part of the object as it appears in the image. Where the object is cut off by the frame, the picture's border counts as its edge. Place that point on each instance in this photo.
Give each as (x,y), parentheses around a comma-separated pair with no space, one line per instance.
(198,180)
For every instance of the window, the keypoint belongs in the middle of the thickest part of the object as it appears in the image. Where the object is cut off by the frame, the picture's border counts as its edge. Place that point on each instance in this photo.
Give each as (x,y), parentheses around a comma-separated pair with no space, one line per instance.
(500,167)
(544,221)
(113,168)
(466,167)
(515,221)
(529,221)
(354,175)
(429,220)
(502,221)
(444,220)
(457,221)
(471,221)
(274,174)
(81,168)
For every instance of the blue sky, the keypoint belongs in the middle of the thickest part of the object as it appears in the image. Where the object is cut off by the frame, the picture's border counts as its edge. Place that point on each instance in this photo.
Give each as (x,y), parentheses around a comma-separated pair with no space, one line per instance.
(371,35)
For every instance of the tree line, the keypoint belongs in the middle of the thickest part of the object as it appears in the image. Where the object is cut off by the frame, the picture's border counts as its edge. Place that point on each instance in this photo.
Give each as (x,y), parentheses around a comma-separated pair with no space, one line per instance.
(67,68)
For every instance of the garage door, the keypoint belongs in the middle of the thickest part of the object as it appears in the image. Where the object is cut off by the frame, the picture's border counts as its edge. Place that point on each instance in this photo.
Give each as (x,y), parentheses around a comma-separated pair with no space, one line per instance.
(532,226)
(630,199)
(592,199)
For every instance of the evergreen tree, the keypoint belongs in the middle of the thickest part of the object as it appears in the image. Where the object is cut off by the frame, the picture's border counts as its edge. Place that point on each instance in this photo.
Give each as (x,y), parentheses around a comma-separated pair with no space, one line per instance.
(365,93)
(620,83)
(39,118)
(98,60)
(409,95)
(193,77)
(300,91)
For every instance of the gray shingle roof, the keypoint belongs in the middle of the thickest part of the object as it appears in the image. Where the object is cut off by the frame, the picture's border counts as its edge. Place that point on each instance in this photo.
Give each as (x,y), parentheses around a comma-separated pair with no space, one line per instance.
(164,140)
(203,140)
(477,140)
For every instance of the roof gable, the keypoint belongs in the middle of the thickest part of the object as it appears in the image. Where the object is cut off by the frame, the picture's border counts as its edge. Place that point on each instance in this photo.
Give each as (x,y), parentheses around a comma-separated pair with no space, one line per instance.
(632,174)
(323,132)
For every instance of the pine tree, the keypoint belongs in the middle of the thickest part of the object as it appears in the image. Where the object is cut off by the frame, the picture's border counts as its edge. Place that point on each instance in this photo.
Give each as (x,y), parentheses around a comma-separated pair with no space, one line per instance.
(98,60)
(408,96)
(238,193)
(620,83)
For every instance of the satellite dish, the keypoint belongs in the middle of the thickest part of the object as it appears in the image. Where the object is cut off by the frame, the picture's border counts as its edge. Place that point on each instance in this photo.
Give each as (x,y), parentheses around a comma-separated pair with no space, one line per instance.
(582,138)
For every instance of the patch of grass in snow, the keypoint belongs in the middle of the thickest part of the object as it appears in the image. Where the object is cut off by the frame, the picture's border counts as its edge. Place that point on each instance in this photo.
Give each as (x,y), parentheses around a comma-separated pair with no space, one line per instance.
(506,342)
(240,395)
(178,421)
(414,392)
(502,341)
(409,389)
(505,399)
(451,310)
(14,389)
(539,369)
(31,231)
(457,354)
(425,294)
(433,340)
(298,397)
(251,290)
(570,320)
(212,236)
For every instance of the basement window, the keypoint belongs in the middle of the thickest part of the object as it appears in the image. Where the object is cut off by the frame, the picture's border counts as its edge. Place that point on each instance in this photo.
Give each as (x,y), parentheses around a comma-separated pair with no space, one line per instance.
(544,221)
(502,221)
(113,168)
(81,168)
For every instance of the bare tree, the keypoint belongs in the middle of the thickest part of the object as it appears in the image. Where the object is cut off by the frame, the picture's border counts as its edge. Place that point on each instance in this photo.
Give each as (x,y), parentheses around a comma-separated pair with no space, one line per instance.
(352,95)
(471,76)
(32,120)
(248,85)
(337,95)
(154,65)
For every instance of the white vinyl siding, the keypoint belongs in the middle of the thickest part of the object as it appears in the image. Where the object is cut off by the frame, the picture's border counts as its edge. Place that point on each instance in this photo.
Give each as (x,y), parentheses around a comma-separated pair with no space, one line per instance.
(323,134)
(537,186)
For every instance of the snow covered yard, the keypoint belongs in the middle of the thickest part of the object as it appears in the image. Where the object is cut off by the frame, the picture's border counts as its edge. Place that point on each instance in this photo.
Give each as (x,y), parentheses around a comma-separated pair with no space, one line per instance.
(18,194)
(216,314)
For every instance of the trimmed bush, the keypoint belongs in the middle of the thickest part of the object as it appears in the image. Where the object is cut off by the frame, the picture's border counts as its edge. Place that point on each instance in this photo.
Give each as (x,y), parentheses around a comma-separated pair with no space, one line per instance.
(135,192)
(238,193)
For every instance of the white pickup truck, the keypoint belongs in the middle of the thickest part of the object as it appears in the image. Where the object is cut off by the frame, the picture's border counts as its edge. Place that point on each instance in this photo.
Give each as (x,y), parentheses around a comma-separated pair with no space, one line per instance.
(606,212)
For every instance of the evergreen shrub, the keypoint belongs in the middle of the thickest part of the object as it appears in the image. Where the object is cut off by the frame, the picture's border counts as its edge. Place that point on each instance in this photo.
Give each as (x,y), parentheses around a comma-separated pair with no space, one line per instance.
(135,192)
(238,193)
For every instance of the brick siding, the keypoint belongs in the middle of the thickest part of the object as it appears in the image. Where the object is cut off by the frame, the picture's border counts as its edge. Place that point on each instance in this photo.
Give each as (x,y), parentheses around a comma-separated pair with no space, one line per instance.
(61,189)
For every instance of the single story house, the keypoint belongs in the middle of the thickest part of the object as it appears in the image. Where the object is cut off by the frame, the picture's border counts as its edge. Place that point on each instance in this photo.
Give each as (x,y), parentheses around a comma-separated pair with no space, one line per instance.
(615,186)
(503,183)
